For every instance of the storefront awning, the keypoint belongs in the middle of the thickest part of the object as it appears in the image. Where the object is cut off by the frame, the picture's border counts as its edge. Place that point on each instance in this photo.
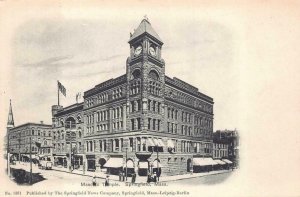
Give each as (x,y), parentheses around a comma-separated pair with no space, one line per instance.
(220,162)
(170,144)
(150,141)
(155,164)
(143,165)
(204,162)
(227,161)
(114,163)
(160,143)
(129,164)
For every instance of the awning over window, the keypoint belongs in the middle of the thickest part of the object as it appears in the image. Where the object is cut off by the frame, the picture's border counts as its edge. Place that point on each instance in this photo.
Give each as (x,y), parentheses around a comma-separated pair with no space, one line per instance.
(204,162)
(150,141)
(170,144)
(143,165)
(220,162)
(129,164)
(114,163)
(155,164)
(160,143)
(227,161)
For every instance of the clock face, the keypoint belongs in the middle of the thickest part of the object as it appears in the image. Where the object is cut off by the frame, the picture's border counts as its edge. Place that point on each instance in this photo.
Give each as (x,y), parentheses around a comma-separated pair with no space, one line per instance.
(152,51)
(138,50)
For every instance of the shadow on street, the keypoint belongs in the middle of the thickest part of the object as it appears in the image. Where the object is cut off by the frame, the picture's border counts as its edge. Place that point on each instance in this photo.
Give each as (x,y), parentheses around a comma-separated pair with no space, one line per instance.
(22,177)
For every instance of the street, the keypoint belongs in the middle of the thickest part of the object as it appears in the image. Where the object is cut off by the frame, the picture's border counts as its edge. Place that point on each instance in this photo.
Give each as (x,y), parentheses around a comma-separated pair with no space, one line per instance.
(203,180)
(58,177)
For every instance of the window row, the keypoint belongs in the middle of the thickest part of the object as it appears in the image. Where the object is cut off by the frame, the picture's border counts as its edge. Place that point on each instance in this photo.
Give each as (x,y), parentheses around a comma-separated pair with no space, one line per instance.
(135,106)
(60,147)
(203,121)
(135,124)
(186,117)
(172,127)
(135,87)
(118,125)
(117,112)
(154,87)
(172,113)
(117,93)
(154,124)
(154,106)
(100,127)
(186,130)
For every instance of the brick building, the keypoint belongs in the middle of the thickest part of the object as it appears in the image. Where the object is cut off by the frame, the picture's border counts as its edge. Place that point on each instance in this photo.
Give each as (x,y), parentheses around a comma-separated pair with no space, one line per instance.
(142,120)
(67,135)
(38,134)
(231,139)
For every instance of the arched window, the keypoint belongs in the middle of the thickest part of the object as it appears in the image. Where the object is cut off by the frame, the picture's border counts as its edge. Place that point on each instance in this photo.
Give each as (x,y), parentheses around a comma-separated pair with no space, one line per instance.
(136,74)
(78,119)
(153,75)
(70,123)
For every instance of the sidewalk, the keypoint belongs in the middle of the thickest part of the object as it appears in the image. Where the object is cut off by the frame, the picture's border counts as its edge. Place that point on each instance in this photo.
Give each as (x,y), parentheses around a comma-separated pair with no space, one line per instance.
(139,179)
(142,179)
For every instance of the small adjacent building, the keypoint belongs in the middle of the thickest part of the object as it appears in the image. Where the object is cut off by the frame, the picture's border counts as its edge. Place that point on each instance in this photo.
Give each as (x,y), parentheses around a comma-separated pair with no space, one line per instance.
(226,145)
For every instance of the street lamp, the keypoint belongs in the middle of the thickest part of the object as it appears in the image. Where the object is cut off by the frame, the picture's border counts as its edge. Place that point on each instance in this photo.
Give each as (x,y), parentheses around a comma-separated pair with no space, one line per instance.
(126,162)
(30,180)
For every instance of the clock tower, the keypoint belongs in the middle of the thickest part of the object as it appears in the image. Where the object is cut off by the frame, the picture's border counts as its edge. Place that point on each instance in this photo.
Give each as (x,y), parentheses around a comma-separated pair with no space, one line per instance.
(146,77)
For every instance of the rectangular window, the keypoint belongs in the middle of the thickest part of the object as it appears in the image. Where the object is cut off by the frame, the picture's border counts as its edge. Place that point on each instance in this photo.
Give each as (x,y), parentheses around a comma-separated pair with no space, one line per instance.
(130,144)
(149,123)
(139,123)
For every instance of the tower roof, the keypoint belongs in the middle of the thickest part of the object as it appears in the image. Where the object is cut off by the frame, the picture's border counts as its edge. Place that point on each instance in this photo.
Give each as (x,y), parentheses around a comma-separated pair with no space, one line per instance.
(145,28)
(10,121)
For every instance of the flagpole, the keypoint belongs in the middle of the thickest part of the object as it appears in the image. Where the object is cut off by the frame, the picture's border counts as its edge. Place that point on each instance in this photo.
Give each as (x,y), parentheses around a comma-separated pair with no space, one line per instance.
(57,92)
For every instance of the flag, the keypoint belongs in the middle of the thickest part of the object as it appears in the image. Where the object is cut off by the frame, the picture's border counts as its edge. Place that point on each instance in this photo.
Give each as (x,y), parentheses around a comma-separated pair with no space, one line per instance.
(61,88)
(78,95)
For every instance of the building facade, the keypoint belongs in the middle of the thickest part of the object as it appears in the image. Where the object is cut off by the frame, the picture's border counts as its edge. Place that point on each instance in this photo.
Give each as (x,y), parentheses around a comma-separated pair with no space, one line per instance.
(67,136)
(142,120)
(30,138)
(220,148)
(231,138)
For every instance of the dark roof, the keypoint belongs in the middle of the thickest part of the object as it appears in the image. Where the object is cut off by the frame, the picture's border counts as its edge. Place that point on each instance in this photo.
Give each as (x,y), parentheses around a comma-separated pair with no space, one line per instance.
(145,28)
(69,109)
(31,124)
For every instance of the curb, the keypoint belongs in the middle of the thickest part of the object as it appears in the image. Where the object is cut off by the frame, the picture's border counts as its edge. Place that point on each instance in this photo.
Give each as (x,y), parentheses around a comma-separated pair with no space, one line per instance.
(183,178)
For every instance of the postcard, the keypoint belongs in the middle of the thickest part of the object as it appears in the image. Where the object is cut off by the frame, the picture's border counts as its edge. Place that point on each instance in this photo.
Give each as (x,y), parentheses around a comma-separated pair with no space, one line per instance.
(149,98)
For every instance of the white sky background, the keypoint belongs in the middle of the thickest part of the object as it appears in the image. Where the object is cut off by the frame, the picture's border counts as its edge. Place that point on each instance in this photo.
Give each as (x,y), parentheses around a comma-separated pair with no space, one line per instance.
(244,55)
(84,52)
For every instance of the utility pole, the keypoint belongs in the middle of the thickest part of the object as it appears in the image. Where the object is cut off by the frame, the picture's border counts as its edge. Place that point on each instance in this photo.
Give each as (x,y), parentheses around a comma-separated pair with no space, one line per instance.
(126,162)
(30,180)
(8,156)
(19,147)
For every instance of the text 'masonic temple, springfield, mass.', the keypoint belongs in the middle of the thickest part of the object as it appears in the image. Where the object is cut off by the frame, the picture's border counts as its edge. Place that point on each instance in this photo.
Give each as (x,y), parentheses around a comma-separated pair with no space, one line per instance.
(142,121)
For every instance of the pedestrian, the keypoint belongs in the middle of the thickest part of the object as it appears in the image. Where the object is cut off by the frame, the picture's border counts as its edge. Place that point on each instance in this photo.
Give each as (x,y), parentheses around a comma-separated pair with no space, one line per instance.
(133,178)
(123,176)
(106,181)
(120,175)
(158,174)
(94,181)
(154,177)
(148,177)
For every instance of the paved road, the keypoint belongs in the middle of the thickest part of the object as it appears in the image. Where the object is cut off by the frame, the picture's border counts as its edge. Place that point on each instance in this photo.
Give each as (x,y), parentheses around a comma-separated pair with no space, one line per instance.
(58,177)
(205,180)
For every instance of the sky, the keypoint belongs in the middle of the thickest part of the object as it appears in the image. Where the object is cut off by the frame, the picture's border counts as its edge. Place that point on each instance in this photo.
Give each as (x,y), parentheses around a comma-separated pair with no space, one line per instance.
(81,53)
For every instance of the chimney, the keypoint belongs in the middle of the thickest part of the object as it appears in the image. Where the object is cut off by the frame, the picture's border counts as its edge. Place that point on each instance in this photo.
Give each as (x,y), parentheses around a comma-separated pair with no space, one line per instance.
(42,122)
